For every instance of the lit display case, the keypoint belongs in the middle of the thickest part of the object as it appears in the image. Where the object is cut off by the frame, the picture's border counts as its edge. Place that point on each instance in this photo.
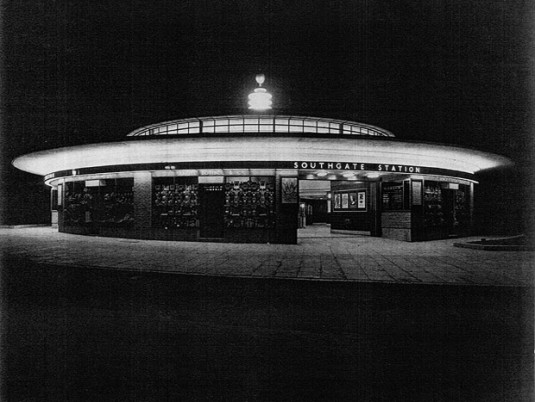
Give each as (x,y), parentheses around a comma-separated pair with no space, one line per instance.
(77,203)
(250,202)
(175,203)
(433,208)
(392,196)
(461,212)
(99,202)
(447,206)
(116,202)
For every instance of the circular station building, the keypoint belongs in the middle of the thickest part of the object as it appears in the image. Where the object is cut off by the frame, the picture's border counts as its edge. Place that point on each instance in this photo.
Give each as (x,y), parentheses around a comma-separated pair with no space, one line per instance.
(260,178)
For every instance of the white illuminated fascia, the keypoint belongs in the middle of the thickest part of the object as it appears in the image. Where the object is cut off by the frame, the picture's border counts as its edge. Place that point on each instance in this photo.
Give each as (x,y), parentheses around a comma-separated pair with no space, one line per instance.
(239,149)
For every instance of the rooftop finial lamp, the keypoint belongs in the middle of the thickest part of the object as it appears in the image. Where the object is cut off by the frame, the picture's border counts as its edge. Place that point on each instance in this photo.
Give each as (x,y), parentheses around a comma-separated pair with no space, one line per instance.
(260,99)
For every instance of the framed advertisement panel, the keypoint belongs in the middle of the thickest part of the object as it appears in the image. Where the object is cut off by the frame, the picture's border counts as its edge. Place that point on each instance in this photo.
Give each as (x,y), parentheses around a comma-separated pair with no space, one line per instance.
(345,201)
(337,201)
(361,200)
(352,200)
(289,191)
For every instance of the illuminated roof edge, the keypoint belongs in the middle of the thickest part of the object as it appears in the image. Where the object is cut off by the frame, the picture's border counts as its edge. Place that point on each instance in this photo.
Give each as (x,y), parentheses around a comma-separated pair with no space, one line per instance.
(156,150)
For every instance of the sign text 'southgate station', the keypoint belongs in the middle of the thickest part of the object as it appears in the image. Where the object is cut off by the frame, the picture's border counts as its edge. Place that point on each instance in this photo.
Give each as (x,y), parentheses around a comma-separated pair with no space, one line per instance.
(358,166)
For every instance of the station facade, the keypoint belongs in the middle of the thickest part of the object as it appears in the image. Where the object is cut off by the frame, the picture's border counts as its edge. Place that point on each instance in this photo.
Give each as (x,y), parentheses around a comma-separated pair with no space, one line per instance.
(238,179)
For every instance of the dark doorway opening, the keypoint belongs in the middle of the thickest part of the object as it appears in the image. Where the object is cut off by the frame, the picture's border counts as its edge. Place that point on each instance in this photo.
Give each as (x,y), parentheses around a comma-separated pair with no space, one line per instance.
(212,197)
(316,211)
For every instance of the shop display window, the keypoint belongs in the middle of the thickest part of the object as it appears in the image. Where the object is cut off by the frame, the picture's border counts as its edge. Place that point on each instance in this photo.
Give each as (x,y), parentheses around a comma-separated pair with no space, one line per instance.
(101,202)
(393,196)
(175,202)
(77,203)
(116,200)
(461,211)
(249,202)
(447,205)
(433,206)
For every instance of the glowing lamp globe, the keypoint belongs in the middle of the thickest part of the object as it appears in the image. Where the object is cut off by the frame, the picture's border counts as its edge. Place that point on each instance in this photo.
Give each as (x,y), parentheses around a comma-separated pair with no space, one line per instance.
(260,99)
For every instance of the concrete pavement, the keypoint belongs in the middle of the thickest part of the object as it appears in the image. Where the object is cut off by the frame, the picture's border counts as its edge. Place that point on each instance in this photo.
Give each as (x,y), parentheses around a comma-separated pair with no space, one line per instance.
(318,256)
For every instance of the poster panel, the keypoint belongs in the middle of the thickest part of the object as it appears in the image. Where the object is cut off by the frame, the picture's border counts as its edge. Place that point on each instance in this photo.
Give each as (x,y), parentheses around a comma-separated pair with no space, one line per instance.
(337,201)
(361,200)
(352,200)
(289,192)
(345,200)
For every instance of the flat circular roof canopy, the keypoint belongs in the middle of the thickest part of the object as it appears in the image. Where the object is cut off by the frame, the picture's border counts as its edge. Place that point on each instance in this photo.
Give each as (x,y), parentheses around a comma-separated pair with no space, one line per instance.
(266,142)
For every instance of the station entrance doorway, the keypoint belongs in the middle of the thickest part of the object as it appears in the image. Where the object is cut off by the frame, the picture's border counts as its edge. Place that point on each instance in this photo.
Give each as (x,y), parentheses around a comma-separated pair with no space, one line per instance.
(313,218)
(330,208)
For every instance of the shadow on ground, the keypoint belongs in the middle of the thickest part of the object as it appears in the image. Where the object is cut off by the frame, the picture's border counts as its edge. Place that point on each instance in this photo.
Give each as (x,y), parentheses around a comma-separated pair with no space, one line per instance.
(72,334)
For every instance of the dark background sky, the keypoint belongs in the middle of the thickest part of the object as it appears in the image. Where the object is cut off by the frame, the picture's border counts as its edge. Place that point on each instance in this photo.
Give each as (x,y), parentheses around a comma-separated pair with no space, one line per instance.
(450,71)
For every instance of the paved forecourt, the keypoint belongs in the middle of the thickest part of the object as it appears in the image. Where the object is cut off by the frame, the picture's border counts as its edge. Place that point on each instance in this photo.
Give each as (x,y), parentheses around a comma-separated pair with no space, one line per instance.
(316,257)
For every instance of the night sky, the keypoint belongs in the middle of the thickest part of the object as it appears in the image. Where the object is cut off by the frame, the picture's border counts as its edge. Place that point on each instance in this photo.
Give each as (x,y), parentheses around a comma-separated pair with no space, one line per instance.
(450,71)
